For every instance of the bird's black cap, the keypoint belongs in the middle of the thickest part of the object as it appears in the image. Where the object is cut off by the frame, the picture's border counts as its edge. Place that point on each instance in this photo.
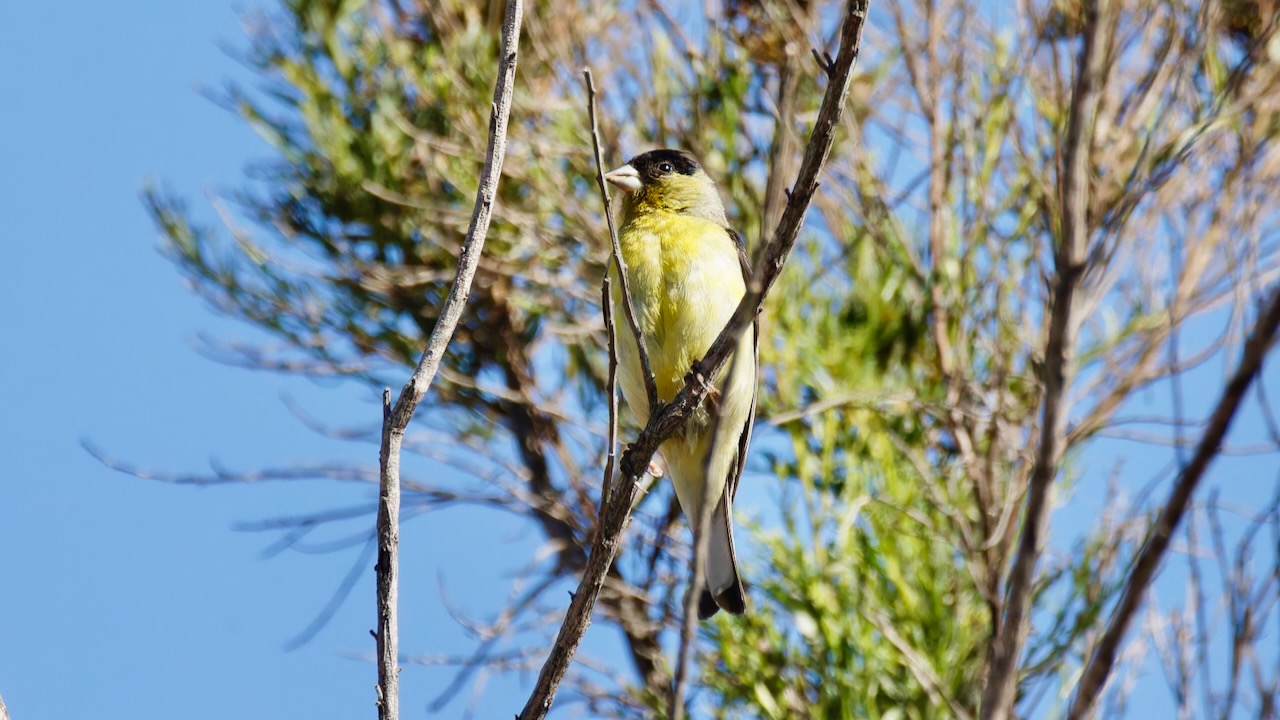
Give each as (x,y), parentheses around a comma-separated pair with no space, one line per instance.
(650,164)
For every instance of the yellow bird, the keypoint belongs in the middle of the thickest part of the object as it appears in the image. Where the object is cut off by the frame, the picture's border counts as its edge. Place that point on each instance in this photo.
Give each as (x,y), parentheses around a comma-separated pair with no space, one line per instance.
(687,272)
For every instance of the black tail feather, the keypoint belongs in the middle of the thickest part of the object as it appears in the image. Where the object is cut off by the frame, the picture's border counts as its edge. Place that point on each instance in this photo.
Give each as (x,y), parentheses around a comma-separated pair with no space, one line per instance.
(732,600)
(707,605)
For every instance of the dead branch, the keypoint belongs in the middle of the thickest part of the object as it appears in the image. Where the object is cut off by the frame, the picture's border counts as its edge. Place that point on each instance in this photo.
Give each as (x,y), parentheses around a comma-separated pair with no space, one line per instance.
(697,567)
(612,332)
(396,420)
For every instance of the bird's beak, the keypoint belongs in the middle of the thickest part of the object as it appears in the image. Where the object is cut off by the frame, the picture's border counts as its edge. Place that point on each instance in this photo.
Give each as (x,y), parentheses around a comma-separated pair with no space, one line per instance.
(626,177)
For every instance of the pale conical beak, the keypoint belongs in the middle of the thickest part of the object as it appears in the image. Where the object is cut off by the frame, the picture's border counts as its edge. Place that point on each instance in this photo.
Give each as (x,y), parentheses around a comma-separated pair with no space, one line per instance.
(626,177)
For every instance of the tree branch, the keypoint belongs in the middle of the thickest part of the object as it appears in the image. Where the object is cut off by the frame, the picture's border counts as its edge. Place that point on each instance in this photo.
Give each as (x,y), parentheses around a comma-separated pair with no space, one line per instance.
(697,568)
(616,513)
(1094,676)
(1010,632)
(388,569)
(628,305)
(612,330)
(396,420)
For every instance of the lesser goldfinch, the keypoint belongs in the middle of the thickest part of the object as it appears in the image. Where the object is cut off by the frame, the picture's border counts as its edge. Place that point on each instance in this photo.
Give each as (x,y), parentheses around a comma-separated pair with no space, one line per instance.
(687,272)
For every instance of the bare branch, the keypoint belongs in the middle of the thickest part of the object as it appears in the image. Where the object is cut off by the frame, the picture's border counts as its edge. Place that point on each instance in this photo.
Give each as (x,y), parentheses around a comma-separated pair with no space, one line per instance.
(396,420)
(1095,673)
(483,655)
(612,331)
(697,567)
(1010,631)
(388,571)
(617,513)
(628,304)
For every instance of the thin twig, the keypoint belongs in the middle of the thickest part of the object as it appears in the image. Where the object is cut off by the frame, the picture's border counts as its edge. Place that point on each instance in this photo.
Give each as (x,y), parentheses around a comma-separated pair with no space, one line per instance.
(388,571)
(697,569)
(689,621)
(664,424)
(628,304)
(355,573)
(492,634)
(396,420)
(919,665)
(1010,632)
(859,399)
(1095,673)
(612,331)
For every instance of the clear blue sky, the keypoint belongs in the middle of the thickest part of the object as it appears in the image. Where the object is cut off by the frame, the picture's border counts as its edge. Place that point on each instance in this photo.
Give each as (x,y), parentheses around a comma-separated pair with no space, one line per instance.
(133,599)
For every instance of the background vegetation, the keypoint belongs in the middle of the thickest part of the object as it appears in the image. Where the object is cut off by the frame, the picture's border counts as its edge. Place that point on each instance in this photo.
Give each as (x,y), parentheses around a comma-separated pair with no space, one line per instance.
(903,389)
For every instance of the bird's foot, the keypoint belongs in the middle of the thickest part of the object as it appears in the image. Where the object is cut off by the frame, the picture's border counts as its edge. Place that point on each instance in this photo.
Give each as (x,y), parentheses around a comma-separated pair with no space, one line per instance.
(697,375)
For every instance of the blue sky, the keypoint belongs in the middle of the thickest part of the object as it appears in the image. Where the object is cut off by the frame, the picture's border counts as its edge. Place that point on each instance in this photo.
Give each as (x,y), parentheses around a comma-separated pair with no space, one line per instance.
(127,598)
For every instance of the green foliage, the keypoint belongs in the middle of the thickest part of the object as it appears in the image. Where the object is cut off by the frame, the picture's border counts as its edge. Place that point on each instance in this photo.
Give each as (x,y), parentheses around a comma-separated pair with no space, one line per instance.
(866,609)
(867,613)
(373,128)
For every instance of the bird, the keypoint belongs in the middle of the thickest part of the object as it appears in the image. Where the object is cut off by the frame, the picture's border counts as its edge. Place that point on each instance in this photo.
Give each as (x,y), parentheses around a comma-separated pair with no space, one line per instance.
(686,272)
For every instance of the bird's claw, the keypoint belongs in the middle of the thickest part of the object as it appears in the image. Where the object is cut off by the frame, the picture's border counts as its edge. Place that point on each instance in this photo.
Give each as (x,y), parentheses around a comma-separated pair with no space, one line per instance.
(697,375)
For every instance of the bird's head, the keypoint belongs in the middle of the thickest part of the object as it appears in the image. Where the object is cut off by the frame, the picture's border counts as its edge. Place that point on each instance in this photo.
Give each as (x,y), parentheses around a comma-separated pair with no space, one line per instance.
(670,181)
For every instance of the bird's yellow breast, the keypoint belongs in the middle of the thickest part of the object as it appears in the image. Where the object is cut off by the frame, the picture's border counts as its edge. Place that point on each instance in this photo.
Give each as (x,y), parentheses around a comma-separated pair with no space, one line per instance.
(685,281)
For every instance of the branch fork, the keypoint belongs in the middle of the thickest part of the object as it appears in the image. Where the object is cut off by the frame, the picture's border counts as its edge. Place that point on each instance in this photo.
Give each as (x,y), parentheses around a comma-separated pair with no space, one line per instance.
(396,419)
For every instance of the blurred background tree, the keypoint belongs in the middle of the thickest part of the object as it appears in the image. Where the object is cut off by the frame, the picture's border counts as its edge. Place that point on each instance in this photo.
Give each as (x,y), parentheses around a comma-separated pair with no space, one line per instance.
(902,352)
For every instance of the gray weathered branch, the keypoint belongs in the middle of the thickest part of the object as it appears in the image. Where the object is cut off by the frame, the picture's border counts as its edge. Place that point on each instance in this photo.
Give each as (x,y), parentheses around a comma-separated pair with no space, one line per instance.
(396,419)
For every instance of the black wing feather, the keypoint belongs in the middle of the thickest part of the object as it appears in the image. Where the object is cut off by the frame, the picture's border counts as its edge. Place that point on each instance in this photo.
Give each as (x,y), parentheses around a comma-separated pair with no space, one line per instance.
(745,439)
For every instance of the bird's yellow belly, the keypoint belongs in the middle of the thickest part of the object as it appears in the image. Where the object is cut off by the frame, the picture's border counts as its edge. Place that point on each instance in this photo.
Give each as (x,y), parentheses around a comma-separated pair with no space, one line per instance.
(685,281)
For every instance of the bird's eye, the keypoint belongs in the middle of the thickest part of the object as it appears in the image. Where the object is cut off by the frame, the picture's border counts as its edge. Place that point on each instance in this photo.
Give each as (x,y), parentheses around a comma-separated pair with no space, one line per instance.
(665,167)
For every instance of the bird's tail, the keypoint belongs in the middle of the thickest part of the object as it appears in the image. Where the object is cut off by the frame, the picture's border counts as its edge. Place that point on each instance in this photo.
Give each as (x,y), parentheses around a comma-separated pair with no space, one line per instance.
(724,588)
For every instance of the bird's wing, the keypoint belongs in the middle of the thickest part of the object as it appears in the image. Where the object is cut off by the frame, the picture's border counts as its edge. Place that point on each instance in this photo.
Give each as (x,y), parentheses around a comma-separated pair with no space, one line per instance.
(744,440)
